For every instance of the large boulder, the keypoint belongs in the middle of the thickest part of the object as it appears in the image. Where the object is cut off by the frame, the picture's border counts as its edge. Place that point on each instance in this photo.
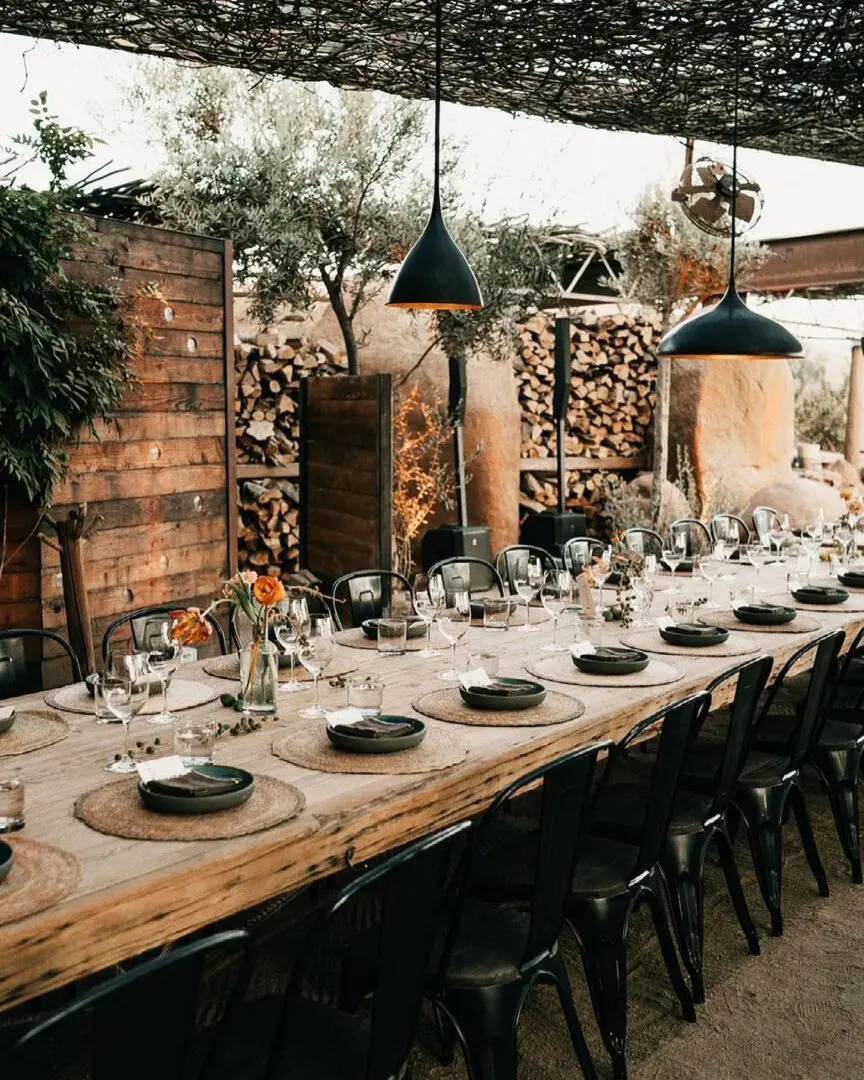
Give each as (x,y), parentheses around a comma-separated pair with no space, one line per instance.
(736,419)
(801,499)
(674,502)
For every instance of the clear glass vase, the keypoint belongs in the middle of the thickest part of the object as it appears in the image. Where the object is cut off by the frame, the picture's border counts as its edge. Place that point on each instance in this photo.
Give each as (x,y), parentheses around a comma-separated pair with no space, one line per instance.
(259,677)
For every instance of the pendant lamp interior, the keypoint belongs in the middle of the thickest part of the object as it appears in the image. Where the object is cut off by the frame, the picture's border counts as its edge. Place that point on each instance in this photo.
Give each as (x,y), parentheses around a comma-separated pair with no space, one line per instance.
(435,275)
(731,328)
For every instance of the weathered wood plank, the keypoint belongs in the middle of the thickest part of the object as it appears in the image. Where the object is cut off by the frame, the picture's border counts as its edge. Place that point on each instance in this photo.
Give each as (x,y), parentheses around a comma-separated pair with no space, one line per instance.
(184,507)
(178,369)
(332,478)
(145,454)
(268,472)
(582,464)
(156,234)
(137,483)
(183,343)
(152,254)
(155,425)
(182,397)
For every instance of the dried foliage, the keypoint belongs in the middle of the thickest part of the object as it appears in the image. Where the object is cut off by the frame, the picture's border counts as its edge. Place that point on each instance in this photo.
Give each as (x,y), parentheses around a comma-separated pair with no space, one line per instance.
(658,66)
(820,408)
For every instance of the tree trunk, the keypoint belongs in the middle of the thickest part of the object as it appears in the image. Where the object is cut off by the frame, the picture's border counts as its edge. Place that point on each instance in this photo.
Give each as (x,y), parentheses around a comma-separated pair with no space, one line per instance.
(71,534)
(346,323)
(661,437)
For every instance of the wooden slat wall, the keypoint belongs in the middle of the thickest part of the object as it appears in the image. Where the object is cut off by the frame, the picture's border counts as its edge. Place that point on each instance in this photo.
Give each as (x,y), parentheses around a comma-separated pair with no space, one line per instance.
(346,474)
(159,471)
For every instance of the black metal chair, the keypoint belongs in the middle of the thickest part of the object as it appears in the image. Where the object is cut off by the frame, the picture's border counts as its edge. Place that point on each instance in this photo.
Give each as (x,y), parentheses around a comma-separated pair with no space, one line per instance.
(728,521)
(298,1037)
(579,552)
(94,1035)
(367,594)
(507,559)
(613,876)
(465,573)
(143,619)
(769,785)
(494,956)
(698,820)
(765,518)
(643,541)
(698,538)
(21,672)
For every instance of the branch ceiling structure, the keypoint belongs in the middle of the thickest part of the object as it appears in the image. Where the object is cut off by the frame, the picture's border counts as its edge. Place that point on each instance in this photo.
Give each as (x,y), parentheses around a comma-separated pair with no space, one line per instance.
(659,66)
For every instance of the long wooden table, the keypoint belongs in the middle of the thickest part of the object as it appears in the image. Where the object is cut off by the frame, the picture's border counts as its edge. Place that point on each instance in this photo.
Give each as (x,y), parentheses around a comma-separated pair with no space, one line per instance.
(135,895)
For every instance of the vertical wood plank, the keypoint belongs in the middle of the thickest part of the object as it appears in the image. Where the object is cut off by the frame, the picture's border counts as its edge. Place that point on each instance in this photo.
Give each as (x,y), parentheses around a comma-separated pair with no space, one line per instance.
(232,494)
(385,471)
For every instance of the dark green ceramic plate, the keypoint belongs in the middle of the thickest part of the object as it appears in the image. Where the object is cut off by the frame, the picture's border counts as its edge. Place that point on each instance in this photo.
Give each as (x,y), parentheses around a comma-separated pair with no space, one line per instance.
(507,702)
(201,804)
(7,860)
(611,661)
(694,637)
(416,628)
(820,594)
(764,614)
(852,580)
(7,722)
(380,744)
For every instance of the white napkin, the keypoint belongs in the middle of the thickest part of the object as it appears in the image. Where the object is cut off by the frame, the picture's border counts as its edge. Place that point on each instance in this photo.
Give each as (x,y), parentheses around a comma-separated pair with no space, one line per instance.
(477,677)
(345,717)
(165,768)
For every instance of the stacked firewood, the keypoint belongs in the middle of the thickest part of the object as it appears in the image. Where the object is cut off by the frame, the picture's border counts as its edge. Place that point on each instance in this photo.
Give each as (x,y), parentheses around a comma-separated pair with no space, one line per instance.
(611,406)
(269,529)
(267,371)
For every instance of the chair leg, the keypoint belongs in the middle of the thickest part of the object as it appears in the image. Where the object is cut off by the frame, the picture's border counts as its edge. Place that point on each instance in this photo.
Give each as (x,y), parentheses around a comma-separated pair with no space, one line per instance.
(736,892)
(839,770)
(600,927)
(762,811)
(808,840)
(558,975)
(682,869)
(667,947)
(485,1021)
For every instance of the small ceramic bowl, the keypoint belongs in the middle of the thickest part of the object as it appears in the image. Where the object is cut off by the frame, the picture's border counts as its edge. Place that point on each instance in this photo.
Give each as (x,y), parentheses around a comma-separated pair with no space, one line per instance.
(7,860)
(379,744)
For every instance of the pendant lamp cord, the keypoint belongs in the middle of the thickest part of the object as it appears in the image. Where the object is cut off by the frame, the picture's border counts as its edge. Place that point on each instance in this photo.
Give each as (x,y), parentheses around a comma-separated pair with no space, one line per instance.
(436,193)
(734,145)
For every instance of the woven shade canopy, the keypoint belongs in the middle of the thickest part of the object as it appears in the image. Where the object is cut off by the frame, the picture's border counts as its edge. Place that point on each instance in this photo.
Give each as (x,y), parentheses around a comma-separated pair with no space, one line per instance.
(659,66)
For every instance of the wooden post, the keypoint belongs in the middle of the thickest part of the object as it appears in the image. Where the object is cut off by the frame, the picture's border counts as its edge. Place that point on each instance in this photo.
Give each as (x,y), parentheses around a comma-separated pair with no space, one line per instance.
(71,534)
(661,437)
(854,444)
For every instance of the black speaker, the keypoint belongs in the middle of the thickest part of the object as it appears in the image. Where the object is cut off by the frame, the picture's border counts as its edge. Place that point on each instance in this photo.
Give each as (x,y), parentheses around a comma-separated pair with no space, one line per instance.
(449,540)
(561,397)
(458,390)
(552,529)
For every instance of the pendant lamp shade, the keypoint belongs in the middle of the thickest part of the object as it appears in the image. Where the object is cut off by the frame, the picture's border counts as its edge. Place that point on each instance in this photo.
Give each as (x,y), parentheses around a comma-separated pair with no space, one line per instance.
(435,275)
(730,329)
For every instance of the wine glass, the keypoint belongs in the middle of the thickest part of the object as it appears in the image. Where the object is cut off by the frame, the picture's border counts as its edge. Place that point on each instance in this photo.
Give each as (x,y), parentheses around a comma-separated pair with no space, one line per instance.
(125,697)
(601,571)
(428,601)
(453,621)
(811,541)
(315,653)
(728,542)
(673,553)
(163,656)
(643,587)
(289,634)
(709,569)
(528,580)
(757,556)
(555,595)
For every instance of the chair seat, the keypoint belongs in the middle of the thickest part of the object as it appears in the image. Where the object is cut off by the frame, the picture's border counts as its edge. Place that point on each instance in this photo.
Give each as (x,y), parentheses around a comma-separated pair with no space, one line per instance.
(489,946)
(840,735)
(760,768)
(620,811)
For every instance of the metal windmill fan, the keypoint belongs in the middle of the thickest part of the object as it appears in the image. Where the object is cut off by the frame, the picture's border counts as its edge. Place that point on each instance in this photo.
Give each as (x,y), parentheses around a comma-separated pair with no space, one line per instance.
(705,195)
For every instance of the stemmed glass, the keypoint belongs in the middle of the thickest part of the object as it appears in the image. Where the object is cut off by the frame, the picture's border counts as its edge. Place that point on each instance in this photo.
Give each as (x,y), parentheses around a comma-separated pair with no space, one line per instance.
(601,571)
(528,580)
(288,634)
(643,587)
(811,541)
(779,533)
(163,656)
(125,697)
(757,556)
(555,596)
(709,569)
(728,543)
(428,601)
(453,622)
(315,654)
(673,554)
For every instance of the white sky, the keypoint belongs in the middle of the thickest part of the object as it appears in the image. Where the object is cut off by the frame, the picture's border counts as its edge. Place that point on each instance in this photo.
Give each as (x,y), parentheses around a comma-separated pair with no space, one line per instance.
(510,165)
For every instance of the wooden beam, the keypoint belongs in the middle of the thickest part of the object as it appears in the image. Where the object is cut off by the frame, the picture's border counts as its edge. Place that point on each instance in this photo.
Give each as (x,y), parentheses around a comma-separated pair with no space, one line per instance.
(230,394)
(583,464)
(269,472)
(821,261)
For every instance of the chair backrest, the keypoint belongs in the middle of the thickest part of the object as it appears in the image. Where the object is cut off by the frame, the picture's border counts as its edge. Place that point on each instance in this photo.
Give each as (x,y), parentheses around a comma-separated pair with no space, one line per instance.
(142,620)
(855,652)
(21,657)
(579,552)
(698,538)
(765,518)
(93,1036)
(728,521)
(810,701)
(366,594)
(458,572)
(643,541)
(413,889)
(751,679)
(507,559)
(676,726)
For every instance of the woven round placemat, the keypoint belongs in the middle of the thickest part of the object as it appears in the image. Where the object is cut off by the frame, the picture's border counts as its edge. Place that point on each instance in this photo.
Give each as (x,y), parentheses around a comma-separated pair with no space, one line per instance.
(41,877)
(182,694)
(228,667)
(116,809)
(799,625)
(561,669)
(33,729)
(356,639)
(307,745)
(447,705)
(855,603)
(650,641)
(517,617)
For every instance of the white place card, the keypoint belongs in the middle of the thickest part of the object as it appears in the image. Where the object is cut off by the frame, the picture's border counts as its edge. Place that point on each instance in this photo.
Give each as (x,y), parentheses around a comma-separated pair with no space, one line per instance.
(477,677)
(586,600)
(165,768)
(345,717)
(664,621)
(6,711)
(582,648)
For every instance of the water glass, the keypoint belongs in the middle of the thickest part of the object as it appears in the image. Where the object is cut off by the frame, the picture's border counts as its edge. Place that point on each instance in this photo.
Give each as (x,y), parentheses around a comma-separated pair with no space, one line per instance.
(485,660)
(392,634)
(100,705)
(496,613)
(194,740)
(366,693)
(11,801)
(589,631)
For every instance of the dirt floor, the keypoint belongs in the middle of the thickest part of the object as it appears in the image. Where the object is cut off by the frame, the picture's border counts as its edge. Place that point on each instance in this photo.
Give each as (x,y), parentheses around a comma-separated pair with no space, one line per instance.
(793,1013)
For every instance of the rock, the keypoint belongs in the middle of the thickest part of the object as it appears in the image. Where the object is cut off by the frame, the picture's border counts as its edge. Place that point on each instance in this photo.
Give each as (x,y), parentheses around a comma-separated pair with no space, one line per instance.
(675,505)
(736,419)
(799,498)
(843,473)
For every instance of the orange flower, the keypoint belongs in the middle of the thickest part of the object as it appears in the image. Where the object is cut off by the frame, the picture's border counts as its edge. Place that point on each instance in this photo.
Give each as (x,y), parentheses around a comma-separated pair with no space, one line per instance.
(268,590)
(189,627)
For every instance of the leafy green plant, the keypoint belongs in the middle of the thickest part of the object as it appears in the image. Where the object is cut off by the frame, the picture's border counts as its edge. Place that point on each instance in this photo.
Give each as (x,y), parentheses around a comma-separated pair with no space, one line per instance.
(820,408)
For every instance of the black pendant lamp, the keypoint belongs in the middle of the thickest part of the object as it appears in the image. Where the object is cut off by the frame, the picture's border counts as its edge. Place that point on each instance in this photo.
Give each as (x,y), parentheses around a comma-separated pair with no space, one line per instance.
(731,328)
(435,275)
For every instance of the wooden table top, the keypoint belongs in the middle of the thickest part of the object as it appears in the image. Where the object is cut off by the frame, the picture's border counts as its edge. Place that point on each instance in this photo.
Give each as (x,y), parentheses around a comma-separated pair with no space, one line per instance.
(134,895)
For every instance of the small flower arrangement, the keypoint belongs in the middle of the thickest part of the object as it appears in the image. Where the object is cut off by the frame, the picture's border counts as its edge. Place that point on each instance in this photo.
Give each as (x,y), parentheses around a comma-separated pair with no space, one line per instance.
(255,595)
